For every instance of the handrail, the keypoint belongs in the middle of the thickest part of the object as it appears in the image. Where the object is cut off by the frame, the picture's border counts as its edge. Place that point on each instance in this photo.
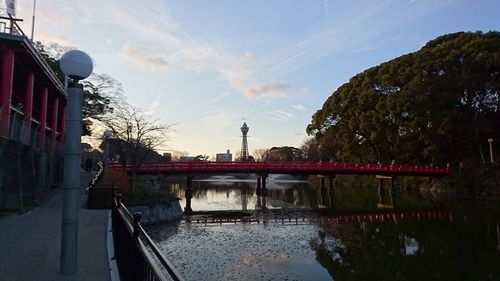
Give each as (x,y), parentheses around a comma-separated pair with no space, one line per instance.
(142,241)
(293,167)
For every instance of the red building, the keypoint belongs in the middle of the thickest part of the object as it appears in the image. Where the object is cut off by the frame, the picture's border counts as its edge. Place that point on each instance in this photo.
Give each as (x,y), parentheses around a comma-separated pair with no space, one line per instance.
(32,112)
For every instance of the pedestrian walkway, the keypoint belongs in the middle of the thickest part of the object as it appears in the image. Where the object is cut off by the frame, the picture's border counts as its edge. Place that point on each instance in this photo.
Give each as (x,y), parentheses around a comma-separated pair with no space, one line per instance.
(30,243)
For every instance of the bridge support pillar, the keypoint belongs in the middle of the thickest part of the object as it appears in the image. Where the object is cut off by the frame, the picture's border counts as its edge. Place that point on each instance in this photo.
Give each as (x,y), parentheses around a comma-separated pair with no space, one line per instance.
(382,191)
(331,189)
(393,192)
(258,191)
(321,181)
(188,194)
(264,188)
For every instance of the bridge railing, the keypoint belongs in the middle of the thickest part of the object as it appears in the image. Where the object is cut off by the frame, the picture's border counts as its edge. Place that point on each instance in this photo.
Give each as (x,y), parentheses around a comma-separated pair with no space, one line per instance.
(137,256)
(307,167)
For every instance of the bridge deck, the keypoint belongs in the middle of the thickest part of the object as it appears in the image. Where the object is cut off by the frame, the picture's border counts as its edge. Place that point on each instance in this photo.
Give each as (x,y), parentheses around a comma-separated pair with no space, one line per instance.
(306,168)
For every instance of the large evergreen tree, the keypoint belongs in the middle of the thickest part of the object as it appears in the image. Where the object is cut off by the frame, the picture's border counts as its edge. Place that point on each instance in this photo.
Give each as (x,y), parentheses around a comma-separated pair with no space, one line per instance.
(439,104)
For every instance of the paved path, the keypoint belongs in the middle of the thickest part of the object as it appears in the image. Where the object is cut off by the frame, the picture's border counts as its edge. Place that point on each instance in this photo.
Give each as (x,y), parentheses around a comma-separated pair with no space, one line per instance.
(30,244)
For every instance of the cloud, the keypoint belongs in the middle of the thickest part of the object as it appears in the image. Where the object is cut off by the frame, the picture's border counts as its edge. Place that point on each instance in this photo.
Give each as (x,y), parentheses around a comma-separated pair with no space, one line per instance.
(268,91)
(219,97)
(243,77)
(144,56)
(53,38)
(59,16)
(279,115)
(194,65)
(221,118)
(298,107)
(151,109)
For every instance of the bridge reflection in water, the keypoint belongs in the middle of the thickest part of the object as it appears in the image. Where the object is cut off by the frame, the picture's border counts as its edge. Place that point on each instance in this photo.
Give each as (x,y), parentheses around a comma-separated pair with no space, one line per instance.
(303,231)
(223,193)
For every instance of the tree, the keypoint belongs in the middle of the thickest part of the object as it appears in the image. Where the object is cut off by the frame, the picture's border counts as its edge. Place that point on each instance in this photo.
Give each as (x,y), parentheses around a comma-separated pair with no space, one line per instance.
(311,150)
(437,105)
(260,154)
(101,92)
(140,135)
(200,158)
(51,55)
(284,153)
(239,158)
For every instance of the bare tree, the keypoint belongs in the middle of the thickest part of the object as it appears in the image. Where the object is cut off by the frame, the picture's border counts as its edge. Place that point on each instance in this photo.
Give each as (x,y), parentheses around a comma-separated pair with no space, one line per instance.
(102,95)
(139,135)
(261,154)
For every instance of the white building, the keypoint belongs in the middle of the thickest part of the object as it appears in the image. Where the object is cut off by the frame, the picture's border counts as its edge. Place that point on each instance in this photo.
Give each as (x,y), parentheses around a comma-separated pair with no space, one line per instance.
(224,157)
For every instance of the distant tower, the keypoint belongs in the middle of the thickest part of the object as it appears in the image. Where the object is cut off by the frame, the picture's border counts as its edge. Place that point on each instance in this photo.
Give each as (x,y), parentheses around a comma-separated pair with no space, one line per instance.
(244,143)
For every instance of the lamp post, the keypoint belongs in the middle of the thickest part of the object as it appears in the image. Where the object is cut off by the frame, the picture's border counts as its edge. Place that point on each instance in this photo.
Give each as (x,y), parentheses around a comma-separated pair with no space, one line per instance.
(490,140)
(107,134)
(76,65)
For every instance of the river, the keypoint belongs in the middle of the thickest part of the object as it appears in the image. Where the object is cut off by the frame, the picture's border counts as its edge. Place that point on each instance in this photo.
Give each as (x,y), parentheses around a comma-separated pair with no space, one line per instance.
(302,232)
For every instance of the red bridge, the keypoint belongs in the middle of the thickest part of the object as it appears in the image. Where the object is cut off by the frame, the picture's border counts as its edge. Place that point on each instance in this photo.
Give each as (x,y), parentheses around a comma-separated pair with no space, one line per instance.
(305,168)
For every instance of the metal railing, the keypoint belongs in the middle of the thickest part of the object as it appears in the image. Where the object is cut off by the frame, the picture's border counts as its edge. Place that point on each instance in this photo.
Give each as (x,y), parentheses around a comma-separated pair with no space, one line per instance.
(9,25)
(137,256)
(289,167)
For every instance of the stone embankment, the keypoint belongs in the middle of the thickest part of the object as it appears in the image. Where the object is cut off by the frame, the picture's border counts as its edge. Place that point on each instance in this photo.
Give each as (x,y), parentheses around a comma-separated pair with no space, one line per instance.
(158,213)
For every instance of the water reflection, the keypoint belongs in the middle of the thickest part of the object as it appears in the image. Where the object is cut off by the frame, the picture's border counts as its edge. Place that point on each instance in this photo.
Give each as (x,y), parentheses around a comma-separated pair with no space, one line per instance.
(427,250)
(356,240)
(231,193)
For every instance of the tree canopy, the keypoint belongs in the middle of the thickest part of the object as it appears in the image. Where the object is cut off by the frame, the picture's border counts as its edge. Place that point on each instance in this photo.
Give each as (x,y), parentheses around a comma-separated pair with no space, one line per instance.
(437,105)
(101,91)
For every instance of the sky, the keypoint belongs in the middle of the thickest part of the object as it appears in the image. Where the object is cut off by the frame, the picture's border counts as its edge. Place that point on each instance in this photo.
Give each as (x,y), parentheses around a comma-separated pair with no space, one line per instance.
(209,66)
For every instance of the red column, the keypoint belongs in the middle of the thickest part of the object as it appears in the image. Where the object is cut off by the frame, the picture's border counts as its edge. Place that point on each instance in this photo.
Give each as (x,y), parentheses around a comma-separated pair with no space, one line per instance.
(28,106)
(43,117)
(53,122)
(6,78)
(62,122)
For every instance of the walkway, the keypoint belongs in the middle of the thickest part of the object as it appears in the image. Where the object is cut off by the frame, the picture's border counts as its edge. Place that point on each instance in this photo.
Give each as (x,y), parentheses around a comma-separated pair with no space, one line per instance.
(30,244)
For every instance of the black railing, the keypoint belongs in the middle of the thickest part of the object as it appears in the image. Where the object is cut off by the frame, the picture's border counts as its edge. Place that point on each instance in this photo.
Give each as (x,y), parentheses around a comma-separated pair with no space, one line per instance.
(137,256)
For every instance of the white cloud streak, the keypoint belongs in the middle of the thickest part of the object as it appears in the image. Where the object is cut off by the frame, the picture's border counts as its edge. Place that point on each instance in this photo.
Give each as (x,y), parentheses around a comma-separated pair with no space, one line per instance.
(152,108)
(298,107)
(144,56)
(279,115)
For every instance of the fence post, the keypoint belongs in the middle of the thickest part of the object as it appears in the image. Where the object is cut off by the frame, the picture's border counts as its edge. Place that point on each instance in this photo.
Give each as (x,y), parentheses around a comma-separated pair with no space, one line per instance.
(113,194)
(137,222)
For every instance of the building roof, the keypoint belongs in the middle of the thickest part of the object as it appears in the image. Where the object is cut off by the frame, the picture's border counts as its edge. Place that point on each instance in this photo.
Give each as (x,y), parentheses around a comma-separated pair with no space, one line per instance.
(27,55)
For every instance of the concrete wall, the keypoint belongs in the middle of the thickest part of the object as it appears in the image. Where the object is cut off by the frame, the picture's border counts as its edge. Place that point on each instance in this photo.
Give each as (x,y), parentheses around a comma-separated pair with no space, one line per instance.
(158,213)
(26,175)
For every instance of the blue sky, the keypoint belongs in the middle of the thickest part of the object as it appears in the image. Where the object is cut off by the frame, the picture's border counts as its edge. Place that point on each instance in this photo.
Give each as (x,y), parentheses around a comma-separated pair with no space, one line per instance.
(207,65)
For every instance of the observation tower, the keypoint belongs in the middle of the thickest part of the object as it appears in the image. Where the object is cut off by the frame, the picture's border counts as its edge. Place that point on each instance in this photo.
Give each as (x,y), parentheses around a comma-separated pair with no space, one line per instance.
(244,142)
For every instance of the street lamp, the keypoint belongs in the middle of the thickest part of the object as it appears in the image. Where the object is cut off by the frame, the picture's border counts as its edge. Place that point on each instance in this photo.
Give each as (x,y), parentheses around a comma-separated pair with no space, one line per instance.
(490,140)
(76,65)
(107,134)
